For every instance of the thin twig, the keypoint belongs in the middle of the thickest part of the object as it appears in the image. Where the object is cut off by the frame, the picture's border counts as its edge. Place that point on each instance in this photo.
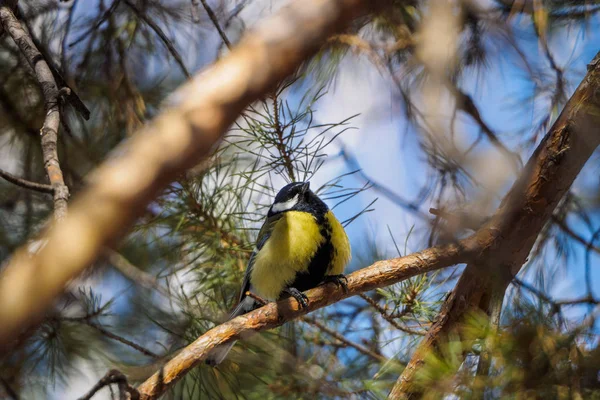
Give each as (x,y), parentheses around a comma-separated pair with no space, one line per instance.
(344,340)
(132,272)
(280,144)
(567,229)
(8,389)
(465,103)
(215,22)
(111,377)
(166,41)
(555,305)
(99,22)
(111,335)
(24,183)
(388,317)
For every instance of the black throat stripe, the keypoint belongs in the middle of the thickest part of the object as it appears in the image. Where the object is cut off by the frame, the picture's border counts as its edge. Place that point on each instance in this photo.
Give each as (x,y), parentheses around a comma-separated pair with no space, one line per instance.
(321,260)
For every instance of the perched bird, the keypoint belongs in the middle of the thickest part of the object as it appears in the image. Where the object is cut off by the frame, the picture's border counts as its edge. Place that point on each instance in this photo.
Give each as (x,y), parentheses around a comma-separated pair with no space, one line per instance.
(300,245)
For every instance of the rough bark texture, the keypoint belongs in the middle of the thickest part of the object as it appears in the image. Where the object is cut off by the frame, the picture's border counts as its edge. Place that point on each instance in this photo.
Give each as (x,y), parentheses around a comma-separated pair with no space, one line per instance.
(380,274)
(200,113)
(49,131)
(508,237)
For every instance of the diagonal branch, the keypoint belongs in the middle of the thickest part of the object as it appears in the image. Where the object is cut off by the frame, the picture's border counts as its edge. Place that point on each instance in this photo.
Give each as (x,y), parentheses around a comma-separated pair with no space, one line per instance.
(215,22)
(200,113)
(362,349)
(507,238)
(50,91)
(166,41)
(382,273)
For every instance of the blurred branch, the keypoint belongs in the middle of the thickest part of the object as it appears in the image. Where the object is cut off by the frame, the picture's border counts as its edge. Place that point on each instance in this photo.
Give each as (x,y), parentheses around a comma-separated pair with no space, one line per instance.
(507,238)
(465,103)
(113,336)
(362,349)
(99,22)
(167,42)
(24,183)
(567,229)
(460,219)
(281,146)
(555,304)
(10,392)
(132,272)
(397,199)
(111,377)
(215,22)
(380,274)
(50,91)
(200,113)
(389,318)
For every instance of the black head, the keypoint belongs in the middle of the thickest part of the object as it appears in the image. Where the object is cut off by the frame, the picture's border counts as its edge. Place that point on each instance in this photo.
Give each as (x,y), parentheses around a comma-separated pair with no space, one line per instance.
(297,196)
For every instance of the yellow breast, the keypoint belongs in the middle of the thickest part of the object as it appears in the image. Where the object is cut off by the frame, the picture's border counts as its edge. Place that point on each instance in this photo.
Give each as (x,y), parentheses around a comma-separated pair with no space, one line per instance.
(293,242)
(341,246)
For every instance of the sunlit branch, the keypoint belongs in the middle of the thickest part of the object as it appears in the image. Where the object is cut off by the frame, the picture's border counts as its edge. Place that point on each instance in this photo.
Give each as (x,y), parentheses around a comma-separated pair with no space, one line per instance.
(380,274)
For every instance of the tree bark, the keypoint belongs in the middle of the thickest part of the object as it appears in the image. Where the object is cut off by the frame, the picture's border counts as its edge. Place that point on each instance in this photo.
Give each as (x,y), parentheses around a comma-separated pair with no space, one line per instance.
(508,237)
(49,131)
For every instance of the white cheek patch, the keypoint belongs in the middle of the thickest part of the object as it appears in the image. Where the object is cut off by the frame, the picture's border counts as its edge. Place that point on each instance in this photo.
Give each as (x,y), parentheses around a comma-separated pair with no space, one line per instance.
(286,205)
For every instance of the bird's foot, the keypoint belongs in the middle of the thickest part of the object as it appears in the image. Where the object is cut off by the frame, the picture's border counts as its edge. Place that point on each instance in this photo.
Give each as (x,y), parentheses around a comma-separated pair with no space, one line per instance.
(339,280)
(300,297)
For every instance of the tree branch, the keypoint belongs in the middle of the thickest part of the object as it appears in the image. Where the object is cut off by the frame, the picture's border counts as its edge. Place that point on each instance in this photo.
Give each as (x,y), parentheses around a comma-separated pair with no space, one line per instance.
(24,183)
(382,273)
(166,41)
(49,129)
(507,238)
(362,349)
(389,318)
(113,376)
(215,22)
(200,112)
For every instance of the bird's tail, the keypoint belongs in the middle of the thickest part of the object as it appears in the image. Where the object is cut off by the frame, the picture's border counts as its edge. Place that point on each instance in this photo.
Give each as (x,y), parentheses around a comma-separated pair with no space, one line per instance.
(218,354)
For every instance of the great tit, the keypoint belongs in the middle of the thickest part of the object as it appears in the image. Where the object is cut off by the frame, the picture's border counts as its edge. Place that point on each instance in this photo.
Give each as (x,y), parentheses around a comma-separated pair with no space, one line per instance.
(300,245)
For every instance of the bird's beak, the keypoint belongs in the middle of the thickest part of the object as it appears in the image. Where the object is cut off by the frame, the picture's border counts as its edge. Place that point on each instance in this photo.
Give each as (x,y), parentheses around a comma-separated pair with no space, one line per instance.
(305,187)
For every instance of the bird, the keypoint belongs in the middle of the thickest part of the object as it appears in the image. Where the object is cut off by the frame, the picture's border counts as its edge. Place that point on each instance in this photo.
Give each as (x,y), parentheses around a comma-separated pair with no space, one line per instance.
(301,245)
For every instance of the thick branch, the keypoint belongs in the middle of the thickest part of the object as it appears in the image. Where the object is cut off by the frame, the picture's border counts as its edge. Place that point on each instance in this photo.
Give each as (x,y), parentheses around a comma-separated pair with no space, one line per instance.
(49,130)
(201,111)
(508,237)
(380,274)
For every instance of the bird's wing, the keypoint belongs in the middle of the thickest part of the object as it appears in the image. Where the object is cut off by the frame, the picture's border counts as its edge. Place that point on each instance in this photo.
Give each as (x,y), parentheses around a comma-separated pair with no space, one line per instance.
(263,235)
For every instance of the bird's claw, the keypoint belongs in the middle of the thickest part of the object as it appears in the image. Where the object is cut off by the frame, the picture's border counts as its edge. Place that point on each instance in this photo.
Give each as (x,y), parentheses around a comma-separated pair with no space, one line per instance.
(339,280)
(300,297)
